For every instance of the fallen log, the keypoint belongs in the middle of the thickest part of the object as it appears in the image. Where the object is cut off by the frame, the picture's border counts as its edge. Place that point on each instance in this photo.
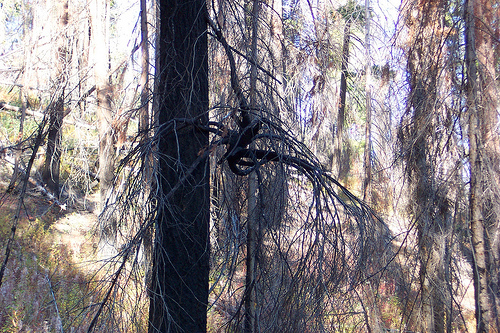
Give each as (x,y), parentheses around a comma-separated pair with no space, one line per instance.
(38,114)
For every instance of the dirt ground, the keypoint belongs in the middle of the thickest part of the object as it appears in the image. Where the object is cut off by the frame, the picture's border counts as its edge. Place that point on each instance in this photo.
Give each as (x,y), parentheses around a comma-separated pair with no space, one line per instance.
(52,257)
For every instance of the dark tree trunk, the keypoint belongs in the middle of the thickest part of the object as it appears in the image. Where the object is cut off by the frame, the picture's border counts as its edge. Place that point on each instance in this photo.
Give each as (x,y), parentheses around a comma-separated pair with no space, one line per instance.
(144,129)
(179,290)
(51,168)
(367,160)
(253,204)
(342,169)
(144,118)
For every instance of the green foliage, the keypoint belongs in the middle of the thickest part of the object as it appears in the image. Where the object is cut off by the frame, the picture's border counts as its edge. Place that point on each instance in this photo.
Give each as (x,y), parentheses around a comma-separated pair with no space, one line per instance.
(10,120)
(10,127)
(11,95)
(391,312)
(352,12)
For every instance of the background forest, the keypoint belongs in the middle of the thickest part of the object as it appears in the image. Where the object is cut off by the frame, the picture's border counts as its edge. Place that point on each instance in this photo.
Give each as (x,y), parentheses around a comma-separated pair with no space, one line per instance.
(249,166)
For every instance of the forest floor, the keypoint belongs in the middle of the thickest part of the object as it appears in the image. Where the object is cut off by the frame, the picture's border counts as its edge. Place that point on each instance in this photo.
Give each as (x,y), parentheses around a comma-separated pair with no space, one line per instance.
(51,273)
(51,262)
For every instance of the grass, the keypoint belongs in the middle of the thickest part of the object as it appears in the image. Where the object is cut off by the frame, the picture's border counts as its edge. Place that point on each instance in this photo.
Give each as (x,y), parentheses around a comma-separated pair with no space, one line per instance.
(54,280)
(43,289)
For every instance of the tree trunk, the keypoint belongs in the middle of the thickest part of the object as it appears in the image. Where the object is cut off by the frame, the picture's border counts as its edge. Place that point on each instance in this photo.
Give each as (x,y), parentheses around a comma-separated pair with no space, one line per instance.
(51,167)
(341,169)
(253,204)
(251,255)
(430,208)
(50,172)
(276,61)
(144,116)
(374,318)
(484,150)
(104,91)
(17,155)
(179,291)
(83,43)
(367,160)
(144,130)
(28,54)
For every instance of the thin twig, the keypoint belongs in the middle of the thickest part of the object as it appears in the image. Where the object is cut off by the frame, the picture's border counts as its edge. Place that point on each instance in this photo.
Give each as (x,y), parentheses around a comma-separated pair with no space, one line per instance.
(20,203)
(59,321)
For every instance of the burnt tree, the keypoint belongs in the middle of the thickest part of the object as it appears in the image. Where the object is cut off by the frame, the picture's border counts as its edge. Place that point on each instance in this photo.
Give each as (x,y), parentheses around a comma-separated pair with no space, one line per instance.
(179,289)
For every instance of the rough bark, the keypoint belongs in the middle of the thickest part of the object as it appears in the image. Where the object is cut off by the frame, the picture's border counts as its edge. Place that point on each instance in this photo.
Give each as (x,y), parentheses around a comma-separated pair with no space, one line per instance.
(51,169)
(179,291)
(253,204)
(144,129)
(342,103)
(484,150)
(488,113)
(430,208)
(367,160)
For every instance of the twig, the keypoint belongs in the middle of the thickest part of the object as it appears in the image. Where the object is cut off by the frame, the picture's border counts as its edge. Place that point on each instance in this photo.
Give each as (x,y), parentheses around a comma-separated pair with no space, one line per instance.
(59,321)
(137,238)
(108,294)
(38,114)
(39,187)
(20,203)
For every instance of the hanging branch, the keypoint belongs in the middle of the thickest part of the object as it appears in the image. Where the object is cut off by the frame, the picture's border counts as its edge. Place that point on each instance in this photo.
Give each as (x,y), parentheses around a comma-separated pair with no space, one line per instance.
(325,220)
(329,257)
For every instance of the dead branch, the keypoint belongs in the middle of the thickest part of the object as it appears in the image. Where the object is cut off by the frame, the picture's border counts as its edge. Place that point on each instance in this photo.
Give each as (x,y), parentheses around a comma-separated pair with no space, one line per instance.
(38,114)
(15,219)
(39,186)
(59,321)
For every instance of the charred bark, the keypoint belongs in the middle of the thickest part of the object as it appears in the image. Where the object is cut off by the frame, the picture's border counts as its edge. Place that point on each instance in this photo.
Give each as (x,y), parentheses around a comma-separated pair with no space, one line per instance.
(179,290)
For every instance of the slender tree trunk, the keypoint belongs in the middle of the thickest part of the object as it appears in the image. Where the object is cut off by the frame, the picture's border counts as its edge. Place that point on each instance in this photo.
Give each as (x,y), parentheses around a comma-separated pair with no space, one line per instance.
(342,103)
(107,139)
(104,93)
(144,128)
(488,112)
(144,117)
(17,155)
(83,43)
(252,248)
(367,160)
(374,320)
(276,59)
(28,53)
(50,173)
(179,290)
(253,204)
(484,158)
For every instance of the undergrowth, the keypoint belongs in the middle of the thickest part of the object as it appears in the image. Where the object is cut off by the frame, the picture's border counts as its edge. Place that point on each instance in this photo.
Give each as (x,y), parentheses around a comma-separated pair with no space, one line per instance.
(42,290)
